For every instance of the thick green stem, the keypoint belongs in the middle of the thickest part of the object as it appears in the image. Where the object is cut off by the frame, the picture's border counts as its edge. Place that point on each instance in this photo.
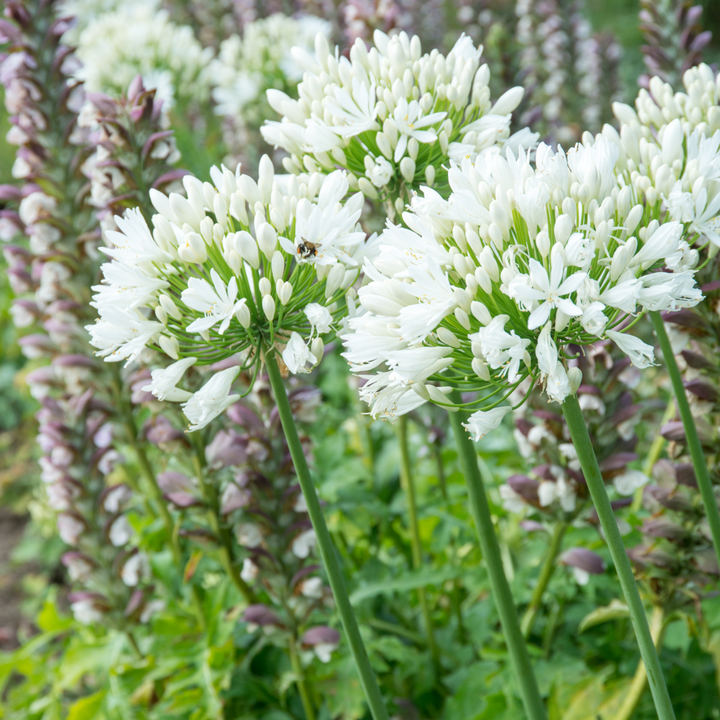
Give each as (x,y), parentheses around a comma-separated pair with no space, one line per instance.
(504,602)
(300,682)
(324,542)
(639,681)
(546,573)
(407,480)
(596,486)
(227,556)
(691,435)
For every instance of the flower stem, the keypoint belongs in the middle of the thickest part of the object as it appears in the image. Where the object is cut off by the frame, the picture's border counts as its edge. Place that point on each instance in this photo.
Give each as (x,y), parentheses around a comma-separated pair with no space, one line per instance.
(407,479)
(325,545)
(300,682)
(693,441)
(596,486)
(210,495)
(504,602)
(639,681)
(546,573)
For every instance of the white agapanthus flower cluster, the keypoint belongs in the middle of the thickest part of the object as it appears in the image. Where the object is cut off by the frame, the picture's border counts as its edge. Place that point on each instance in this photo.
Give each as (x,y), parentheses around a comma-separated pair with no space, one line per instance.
(492,286)
(246,66)
(138,39)
(390,115)
(670,151)
(231,271)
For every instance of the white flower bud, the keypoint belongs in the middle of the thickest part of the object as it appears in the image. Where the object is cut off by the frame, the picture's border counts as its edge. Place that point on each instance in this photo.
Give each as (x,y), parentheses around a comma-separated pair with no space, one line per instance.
(407,168)
(265,286)
(268,306)
(247,248)
(206,230)
(193,249)
(317,348)
(413,147)
(277,265)
(170,346)
(234,261)
(575,377)
(481,313)
(462,317)
(285,293)
(367,188)
(448,337)
(383,144)
(161,315)
(267,239)
(242,313)
(480,369)
(483,280)
(487,262)
(170,307)
(334,279)
(563,228)
(430,175)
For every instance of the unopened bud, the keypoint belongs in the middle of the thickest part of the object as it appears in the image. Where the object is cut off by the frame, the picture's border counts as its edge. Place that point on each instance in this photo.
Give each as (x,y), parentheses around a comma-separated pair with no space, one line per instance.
(268,306)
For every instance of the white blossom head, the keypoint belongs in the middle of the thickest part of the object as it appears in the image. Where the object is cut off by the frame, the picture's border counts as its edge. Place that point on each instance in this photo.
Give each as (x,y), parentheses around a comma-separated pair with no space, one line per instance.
(505,281)
(391,115)
(235,269)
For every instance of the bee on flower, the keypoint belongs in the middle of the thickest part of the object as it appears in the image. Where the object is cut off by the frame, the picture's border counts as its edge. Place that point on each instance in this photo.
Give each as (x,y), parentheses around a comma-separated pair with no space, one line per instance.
(233,270)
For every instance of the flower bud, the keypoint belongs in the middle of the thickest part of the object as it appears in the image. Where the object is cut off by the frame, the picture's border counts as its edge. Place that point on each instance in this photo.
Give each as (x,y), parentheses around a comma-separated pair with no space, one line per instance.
(268,306)
(448,337)
(334,279)
(170,346)
(407,169)
(265,286)
(480,312)
(367,188)
(430,175)
(193,249)
(285,293)
(277,265)
(317,348)
(242,313)
(170,307)
(480,369)
(575,378)
(247,248)
(267,239)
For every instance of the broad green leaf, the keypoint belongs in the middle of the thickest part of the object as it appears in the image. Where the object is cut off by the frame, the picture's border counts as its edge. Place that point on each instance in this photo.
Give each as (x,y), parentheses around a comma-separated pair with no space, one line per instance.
(87,708)
(614,611)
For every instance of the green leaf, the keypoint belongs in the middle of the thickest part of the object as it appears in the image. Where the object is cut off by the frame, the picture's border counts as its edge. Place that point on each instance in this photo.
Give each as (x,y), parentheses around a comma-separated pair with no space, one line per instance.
(410,580)
(87,708)
(614,611)
(50,620)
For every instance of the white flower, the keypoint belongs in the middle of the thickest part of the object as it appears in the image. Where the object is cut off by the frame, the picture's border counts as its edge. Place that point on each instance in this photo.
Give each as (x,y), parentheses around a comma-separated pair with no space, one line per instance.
(249,535)
(217,301)
(641,354)
(324,651)
(135,568)
(480,423)
(502,349)
(249,570)
(120,532)
(303,544)
(356,111)
(69,528)
(134,244)
(319,317)
(86,612)
(663,242)
(549,291)
(629,481)
(409,121)
(297,355)
(381,172)
(165,380)
(150,609)
(211,400)
(121,334)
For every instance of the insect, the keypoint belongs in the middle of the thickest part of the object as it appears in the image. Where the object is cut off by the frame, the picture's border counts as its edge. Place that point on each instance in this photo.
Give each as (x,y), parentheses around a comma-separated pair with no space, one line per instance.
(307,249)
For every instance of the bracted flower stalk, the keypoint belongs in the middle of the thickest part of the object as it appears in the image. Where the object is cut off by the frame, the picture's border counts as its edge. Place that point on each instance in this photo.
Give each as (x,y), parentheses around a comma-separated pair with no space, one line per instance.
(407,481)
(324,542)
(691,434)
(504,602)
(596,486)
